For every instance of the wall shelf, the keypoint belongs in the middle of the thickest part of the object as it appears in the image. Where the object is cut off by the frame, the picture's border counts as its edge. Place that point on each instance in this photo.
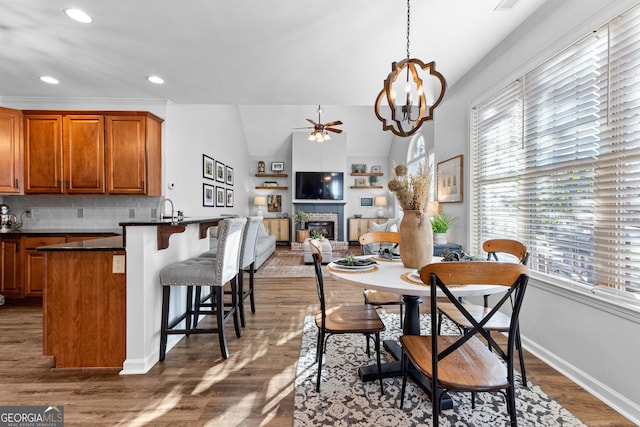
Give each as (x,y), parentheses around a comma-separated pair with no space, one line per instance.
(272,175)
(366,174)
(367,186)
(273,188)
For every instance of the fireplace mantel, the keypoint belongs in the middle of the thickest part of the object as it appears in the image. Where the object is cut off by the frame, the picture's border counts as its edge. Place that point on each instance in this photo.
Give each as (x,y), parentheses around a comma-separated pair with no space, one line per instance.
(325,207)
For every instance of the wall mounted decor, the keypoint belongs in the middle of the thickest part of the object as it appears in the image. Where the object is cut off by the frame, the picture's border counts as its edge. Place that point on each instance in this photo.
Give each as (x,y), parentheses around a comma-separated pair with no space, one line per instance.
(207,195)
(260,166)
(220,197)
(449,176)
(229,198)
(376,169)
(207,167)
(229,170)
(358,168)
(366,201)
(274,203)
(277,166)
(220,172)
(361,182)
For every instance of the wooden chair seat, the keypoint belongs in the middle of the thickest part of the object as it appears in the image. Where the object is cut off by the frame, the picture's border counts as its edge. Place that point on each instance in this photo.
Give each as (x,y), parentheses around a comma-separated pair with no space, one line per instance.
(373,297)
(351,319)
(472,367)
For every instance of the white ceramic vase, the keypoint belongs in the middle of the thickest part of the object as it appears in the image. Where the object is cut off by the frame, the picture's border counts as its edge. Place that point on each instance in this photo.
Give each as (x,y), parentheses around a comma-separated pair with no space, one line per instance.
(439,238)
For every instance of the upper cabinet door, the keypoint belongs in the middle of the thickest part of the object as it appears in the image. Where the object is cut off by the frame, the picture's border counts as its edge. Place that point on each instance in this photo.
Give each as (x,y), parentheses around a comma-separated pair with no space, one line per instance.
(10,151)
(84,154)
(43,154)
(126,168)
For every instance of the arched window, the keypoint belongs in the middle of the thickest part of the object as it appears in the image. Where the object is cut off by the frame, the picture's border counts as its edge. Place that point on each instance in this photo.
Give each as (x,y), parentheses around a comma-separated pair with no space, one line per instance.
(418,154)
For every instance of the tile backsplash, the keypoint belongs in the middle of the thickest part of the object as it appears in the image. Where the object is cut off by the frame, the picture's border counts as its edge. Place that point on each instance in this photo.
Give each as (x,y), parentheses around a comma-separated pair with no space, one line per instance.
(81,212)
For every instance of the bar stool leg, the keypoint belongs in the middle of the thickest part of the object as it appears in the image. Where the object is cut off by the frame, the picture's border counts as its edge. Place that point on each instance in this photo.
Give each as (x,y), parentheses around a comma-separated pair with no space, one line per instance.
(251,298)
(234,306)
(241,296)
(166,290)
(220,318)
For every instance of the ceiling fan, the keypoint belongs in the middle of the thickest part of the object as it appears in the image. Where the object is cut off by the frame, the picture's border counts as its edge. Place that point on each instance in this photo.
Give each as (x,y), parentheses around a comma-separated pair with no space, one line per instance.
(321,131)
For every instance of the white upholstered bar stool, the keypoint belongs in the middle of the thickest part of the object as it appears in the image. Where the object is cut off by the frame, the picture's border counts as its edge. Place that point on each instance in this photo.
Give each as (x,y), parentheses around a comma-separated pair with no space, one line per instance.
(208,272)
(247,262)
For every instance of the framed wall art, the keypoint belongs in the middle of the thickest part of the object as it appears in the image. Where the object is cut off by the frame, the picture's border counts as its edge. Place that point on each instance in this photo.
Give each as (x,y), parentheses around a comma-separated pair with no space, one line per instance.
(207,167)
(366,201)
(274,203)
(229,198)
(220,172)
(208,195)
(376,169)
(229,171)
(220,197)
(361,182)
(358,168)
(449,176)
(277,166)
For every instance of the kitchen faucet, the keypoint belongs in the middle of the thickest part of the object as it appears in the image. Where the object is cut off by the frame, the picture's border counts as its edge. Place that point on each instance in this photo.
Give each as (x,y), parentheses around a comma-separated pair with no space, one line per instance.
(163,204)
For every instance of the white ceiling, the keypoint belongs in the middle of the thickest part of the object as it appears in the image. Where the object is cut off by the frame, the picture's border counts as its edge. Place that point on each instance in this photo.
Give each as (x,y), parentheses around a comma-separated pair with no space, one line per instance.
(241,52)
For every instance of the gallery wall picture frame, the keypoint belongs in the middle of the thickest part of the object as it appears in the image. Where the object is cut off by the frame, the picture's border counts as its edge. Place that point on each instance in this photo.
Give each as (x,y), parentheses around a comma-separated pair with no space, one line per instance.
(208,195)
(366,201)
(449,178)
(220,197)
(358,168)
(229,175)
(229,198)
(207,167)
(274,203)
(376,169)
(220,174)
(277,166)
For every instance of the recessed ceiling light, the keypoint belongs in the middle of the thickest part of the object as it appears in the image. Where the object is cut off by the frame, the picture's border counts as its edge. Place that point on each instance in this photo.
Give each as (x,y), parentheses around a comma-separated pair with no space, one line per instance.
(155,79)
(49,79)
(78,15)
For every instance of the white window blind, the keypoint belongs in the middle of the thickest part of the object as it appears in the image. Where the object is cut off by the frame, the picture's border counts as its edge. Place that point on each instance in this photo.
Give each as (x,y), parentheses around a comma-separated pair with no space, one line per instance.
(556,161)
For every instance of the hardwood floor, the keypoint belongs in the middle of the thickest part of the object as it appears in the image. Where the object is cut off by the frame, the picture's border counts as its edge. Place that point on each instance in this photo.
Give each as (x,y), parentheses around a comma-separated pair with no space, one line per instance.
(195,386)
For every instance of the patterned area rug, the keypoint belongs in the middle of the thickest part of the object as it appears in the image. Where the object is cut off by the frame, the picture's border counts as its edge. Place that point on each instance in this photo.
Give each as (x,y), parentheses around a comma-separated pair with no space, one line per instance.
(291,264)
(344,400)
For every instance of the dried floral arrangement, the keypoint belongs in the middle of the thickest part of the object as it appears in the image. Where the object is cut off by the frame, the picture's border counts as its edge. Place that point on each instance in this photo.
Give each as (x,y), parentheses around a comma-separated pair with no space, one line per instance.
(412,190)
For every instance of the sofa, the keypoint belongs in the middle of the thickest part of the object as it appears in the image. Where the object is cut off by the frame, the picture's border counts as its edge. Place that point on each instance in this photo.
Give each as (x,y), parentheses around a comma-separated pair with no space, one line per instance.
(265,244)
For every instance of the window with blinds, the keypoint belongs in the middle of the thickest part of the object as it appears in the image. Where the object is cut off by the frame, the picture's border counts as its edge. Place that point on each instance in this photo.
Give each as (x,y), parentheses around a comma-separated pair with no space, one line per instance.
(556,162)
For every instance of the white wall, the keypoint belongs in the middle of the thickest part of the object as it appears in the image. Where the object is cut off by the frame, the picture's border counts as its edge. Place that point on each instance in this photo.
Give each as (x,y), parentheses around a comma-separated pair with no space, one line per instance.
(589,340)
(191,131)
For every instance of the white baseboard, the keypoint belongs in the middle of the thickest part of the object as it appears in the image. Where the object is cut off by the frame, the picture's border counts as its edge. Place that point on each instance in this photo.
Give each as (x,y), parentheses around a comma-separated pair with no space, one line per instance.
(609,396)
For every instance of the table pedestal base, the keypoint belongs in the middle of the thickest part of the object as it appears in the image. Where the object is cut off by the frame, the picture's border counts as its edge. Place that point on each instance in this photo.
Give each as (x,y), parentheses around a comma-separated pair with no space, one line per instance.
(394,369)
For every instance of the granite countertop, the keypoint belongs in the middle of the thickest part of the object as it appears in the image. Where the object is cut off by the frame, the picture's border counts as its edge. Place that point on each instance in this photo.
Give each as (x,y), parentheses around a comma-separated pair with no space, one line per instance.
(114,243)
(60,231)
(167,222)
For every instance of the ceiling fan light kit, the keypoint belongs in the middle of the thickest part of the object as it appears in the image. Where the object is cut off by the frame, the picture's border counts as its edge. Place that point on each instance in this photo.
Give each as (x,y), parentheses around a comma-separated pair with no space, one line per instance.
(321,131)
(409,111)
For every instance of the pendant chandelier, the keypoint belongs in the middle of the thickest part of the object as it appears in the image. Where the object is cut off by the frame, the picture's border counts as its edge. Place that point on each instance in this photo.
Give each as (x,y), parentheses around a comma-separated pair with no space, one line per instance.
(411,109)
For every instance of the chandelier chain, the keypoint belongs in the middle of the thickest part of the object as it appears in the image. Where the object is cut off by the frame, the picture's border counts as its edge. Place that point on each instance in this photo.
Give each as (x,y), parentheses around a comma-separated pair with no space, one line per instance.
(408,25)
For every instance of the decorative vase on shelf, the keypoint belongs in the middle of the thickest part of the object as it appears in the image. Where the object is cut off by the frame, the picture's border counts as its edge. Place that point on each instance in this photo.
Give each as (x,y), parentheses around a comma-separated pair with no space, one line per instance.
(416,239)
(439,238)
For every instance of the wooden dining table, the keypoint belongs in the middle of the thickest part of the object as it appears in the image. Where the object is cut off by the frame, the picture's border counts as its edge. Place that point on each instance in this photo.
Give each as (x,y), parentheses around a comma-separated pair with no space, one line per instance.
(392,276)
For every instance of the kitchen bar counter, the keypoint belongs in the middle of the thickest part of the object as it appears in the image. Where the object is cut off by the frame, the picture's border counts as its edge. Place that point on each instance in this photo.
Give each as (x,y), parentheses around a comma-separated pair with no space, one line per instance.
(114,243)
(60,232)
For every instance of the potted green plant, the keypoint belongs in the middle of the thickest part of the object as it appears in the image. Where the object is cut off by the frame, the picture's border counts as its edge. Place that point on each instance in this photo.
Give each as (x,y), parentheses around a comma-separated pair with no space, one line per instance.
(301,217)
(440,224)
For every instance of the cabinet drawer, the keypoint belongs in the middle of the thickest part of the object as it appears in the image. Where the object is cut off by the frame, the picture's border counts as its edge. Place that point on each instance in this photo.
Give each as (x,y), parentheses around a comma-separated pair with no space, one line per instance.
(34,242)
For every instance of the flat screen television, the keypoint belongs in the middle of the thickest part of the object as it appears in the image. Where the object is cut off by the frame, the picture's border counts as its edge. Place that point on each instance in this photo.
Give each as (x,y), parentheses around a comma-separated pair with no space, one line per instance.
(319,185)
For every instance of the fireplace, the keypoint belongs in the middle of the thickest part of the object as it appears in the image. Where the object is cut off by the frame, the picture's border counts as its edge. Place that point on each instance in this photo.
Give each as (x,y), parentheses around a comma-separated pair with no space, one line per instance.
(325,212)
(326,228)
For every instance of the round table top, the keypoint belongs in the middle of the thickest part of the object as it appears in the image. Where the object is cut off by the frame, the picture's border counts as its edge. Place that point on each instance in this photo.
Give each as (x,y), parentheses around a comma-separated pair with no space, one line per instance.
(393,276)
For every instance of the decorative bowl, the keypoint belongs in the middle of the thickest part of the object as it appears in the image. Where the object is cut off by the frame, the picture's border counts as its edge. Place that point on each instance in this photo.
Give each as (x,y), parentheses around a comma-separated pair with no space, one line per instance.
(357,215)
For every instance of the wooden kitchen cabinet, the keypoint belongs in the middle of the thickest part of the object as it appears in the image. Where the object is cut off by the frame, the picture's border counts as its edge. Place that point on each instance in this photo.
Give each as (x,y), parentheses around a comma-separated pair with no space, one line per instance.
(83,156)
(134,155)
(11,148)
(278,227)
(34,266)
(43,167)
(83,152)
(10,267)
(359,226)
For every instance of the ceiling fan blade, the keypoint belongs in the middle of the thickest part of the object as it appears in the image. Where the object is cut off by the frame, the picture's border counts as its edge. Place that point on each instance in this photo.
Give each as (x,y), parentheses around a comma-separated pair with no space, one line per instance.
(333,130)
(338,122)
(312,122)
(308,127)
